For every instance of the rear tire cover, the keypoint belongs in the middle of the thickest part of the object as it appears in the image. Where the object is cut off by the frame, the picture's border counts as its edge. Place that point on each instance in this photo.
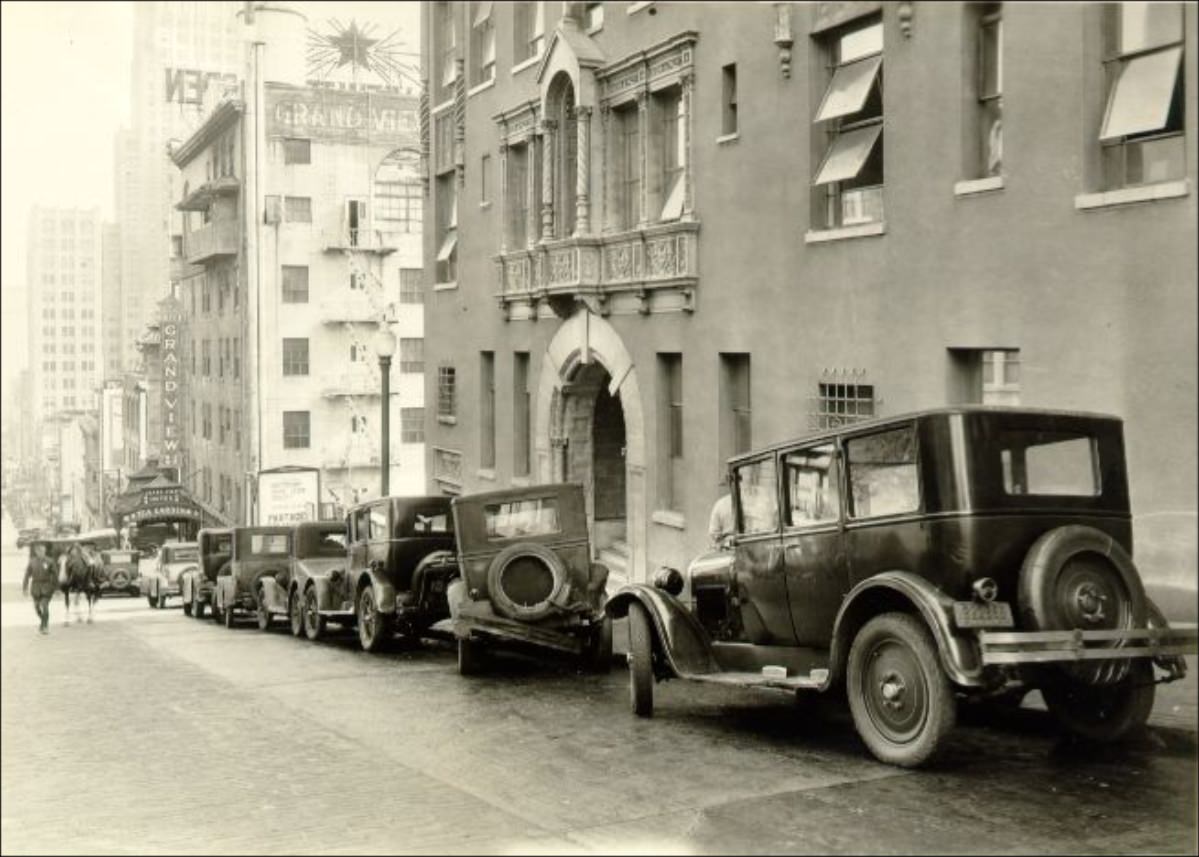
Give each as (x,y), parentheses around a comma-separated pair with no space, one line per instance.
(529,551)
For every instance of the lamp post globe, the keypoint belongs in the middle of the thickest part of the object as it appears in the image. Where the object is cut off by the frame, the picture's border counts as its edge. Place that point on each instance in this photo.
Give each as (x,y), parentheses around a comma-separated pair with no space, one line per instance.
(385,346)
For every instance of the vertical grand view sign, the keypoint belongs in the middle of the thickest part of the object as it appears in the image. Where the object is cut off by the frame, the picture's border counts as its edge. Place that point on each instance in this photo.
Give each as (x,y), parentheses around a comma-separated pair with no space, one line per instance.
(172,418)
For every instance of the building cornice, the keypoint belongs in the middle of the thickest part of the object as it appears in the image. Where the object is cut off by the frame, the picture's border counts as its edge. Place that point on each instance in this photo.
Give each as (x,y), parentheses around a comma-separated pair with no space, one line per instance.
(225,114)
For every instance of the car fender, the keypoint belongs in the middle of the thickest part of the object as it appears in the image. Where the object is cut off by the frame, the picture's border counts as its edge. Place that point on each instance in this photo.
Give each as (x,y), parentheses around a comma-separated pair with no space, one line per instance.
(385,593)
(678,636)
(901,590)
(274,596)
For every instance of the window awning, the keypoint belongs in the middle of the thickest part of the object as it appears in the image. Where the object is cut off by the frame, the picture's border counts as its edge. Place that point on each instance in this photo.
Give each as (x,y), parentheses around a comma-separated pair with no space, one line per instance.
(848,154)
(448,246)
(1140,97)
(847,91)
(483,12)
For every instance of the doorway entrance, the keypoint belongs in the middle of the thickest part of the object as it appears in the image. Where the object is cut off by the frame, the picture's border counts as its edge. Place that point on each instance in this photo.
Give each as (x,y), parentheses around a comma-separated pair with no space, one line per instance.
(593,423)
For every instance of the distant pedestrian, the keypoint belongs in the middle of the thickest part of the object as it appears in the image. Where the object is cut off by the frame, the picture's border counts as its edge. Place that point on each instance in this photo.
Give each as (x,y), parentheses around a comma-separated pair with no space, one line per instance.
(44,578)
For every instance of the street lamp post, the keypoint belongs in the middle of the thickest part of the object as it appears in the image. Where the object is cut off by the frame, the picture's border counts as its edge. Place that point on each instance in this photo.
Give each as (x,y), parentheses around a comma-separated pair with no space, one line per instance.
(385,346)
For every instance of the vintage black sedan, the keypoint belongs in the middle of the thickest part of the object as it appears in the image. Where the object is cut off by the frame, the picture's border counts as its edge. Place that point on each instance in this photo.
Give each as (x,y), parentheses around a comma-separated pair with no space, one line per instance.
(258,552)
(196,587)
(527,577)
(966,551)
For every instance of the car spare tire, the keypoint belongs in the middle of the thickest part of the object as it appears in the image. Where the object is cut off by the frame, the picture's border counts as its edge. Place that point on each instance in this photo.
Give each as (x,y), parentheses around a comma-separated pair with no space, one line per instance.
(524,580)
(1076,577)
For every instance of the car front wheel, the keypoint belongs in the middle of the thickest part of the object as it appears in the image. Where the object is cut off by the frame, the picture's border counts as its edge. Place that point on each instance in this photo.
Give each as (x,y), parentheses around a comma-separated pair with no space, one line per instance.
(900,698)
(641,668)
(262,614)
(1104,713)
(227,615)
(295,614)
(153,602)
(373,627)
(197,606)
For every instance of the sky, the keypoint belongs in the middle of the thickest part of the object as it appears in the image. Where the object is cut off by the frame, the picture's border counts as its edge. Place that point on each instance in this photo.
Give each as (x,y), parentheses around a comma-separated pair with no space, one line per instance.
(64,91)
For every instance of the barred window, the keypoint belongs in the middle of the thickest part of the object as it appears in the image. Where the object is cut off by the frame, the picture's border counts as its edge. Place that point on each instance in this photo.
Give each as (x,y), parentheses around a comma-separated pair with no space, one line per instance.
(295,356)
(296,430)
(447,405)
(841,404)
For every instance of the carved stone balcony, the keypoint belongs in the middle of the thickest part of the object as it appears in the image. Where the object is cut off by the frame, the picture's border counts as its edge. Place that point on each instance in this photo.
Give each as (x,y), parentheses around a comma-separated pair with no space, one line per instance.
(211,241)
(643,270)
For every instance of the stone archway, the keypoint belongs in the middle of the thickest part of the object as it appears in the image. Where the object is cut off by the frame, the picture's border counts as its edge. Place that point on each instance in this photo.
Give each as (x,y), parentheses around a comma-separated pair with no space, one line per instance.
(588,383)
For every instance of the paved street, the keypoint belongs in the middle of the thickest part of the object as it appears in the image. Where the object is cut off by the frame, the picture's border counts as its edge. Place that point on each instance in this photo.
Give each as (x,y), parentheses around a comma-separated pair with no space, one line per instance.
(149,732)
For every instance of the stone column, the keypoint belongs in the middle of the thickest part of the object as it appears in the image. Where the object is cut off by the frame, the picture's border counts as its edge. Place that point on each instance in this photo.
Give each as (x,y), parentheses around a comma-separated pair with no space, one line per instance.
(608,159)
(583,171)
(643,156)
(688,90)
(548,133)
(503,196)
(532,218)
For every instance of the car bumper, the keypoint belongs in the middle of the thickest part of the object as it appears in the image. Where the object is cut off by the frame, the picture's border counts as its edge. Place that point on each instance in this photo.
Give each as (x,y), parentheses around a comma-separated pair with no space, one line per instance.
(1165,645)
(477,619)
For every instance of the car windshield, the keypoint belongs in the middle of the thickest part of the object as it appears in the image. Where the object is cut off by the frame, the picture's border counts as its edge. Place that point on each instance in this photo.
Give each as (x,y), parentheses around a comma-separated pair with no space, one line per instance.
(536,516)
(187,554)
(121,556)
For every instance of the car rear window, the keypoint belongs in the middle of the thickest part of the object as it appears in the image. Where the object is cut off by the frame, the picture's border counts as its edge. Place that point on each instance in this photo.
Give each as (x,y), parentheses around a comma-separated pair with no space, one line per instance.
(269,543)
(182,554)
(518,518)
(1059,464)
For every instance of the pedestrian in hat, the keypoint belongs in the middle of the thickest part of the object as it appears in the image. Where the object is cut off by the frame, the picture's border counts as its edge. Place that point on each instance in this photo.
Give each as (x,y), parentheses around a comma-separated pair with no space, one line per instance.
(40,572)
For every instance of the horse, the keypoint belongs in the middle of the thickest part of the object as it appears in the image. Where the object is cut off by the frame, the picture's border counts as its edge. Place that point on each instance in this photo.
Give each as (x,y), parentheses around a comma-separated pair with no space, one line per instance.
(80,574)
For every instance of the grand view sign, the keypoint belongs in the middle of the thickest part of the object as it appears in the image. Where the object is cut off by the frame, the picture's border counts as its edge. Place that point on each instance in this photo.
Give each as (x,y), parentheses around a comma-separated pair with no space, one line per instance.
(340,116)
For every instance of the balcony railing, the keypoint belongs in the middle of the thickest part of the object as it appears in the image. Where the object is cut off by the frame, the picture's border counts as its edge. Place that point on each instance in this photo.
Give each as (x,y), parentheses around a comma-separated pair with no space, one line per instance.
(340,459)
(218,238)
(351,384)
(651,268)
(364,240)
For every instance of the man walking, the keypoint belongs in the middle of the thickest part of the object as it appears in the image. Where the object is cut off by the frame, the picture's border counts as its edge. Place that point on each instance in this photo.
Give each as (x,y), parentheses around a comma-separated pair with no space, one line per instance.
(45,580)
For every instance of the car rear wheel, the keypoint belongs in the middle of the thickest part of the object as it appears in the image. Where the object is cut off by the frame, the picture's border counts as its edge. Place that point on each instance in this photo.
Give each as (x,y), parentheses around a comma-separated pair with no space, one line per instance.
(262,614)
(641,667)
(597,654)
(900,698)
(153,602)
(197,606)
(295,614)
(314,622)
(1104,714)
(227,615)
(374,627)
(187,608)
(470,657)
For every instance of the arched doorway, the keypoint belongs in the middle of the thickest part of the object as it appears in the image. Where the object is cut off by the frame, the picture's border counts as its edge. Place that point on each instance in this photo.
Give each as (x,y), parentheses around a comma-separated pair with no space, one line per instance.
(590,429)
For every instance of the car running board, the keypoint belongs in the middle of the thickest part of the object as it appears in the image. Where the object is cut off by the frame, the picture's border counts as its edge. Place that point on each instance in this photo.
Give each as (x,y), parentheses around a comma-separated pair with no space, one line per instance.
(817,679)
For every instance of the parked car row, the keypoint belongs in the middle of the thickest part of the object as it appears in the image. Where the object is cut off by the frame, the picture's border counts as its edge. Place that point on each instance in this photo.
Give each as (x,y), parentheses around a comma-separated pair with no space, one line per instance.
(916,561)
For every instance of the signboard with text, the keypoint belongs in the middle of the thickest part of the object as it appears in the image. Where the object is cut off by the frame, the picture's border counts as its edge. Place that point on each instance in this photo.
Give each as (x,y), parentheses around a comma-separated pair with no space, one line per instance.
(288,495)
(341,116)
(172,417)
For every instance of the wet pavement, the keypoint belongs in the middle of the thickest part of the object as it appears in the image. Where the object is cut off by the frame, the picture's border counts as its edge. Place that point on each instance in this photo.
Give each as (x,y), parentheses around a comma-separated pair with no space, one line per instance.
(149,732)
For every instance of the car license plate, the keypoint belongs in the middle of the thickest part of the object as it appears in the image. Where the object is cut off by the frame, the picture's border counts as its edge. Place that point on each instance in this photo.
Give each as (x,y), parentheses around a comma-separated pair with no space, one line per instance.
(975,614)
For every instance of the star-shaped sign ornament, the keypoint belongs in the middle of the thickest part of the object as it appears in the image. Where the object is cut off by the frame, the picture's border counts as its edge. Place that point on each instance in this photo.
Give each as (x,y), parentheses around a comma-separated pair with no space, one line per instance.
(353,44)
(357,47)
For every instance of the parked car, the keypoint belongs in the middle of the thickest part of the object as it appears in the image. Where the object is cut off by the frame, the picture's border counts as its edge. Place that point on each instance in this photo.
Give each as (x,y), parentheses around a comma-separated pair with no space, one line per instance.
(119,572)
(319,556)
(174,560)
(258,552)
(196,588)
(527,576)
(401,558)
(972,551)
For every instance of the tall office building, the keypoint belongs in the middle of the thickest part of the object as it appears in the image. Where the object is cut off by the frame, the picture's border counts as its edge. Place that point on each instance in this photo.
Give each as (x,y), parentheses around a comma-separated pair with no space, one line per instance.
(64,309)
(181,49)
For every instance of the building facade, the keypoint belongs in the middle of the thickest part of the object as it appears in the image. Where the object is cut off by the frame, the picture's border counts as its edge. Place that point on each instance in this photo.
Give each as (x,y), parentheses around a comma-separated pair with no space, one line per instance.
(664,233)
(64,321)
(181,52)
(300,239)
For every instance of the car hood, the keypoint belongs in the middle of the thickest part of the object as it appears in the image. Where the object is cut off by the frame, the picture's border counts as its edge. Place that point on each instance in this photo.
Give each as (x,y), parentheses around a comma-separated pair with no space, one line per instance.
(322,565)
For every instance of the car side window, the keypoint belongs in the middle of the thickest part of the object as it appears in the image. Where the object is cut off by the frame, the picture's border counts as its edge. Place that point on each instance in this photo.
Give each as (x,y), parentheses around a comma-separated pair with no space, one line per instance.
(361,527)
(882,473)
(378,523)
(757,496)
(813,493)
